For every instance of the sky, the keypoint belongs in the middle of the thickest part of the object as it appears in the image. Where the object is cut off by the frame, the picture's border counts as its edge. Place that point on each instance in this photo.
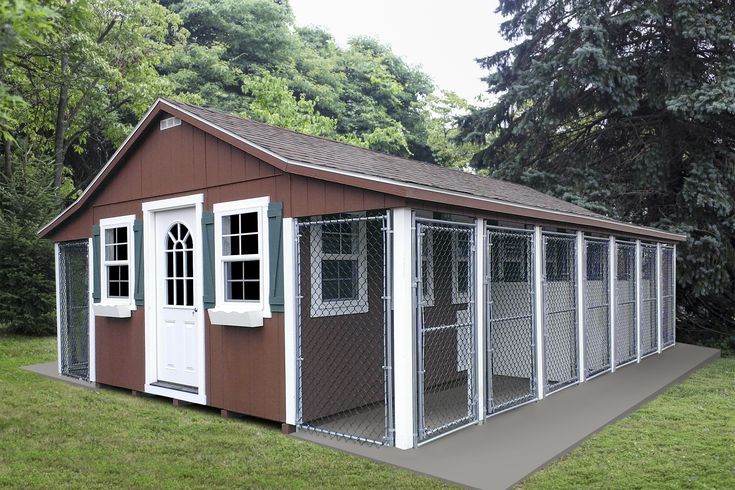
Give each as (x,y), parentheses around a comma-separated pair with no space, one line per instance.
(443,37)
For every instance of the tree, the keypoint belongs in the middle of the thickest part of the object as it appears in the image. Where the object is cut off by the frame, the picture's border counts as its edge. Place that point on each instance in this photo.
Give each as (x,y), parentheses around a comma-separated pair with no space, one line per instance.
(443,110)
(627,108)
(96,64)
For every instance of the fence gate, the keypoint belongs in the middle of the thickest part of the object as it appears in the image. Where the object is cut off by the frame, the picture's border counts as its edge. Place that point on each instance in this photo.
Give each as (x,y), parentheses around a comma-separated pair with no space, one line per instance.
(343,327)
(561,355)
(625,332)
(445,326)
(74,308)
(649,302)
(668,290)
(597,306)
(511,333)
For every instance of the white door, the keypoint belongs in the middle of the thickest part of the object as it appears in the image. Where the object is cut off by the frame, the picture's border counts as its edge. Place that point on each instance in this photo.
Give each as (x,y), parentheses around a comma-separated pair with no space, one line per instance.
(177,298)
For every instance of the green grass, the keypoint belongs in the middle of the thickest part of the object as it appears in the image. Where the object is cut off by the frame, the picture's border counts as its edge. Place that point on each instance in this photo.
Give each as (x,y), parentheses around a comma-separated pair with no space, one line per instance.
(56,435)
(685,438)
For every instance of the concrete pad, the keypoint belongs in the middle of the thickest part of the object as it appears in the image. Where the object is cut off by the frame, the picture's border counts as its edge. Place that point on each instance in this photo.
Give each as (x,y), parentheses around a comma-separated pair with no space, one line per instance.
(51,370)
(508,447)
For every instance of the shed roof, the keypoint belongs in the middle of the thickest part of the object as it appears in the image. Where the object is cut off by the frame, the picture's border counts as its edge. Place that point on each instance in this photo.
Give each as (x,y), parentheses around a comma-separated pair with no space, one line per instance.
(324,158)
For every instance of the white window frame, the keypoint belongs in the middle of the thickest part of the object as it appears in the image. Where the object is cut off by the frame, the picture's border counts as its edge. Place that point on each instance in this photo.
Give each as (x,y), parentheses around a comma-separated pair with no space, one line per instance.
(457,296)
(322,308)
(114,306)
(241,313)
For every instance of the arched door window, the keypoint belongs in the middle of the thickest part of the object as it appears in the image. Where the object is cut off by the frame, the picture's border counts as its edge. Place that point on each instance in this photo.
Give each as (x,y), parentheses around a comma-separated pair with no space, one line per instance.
(179,266)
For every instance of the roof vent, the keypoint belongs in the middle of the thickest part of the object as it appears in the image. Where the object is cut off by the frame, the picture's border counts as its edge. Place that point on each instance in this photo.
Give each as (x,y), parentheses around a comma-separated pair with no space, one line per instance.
(170,122)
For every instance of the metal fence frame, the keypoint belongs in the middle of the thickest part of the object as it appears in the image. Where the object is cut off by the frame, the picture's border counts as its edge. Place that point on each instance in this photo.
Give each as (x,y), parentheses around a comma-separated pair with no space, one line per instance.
(597,334)
(385,223)
(648,301)
(621,329)
(549,313)
(527,236)
(423,431)
(668,296)
(73,270)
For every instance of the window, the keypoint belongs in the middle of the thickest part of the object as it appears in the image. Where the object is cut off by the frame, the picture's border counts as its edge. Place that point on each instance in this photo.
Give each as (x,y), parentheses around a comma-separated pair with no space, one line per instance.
(596,258)
(179,266)
(510,258)
(339,268)
(116,273)
(241,257)
(559,255)
(427,267)
(461,269)
(626,261)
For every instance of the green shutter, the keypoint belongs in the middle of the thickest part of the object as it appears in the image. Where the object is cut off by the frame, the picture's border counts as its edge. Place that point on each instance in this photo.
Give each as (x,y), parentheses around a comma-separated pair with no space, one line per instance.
(96,290)
(275,254)
(208,254)
(139,270)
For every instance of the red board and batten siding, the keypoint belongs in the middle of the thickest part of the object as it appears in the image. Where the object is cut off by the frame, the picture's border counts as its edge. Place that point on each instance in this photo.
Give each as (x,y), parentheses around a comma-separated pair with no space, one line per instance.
(244,367)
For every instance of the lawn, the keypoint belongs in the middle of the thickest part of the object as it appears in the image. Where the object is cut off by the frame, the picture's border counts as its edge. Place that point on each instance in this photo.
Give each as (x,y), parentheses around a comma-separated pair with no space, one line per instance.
(56,435)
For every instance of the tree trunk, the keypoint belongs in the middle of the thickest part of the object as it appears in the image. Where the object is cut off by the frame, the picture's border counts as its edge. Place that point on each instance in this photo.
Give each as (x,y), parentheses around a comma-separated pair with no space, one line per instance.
(60,124)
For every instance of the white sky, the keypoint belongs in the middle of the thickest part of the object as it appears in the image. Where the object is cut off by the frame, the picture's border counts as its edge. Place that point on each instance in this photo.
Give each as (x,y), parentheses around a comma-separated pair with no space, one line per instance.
(443,37)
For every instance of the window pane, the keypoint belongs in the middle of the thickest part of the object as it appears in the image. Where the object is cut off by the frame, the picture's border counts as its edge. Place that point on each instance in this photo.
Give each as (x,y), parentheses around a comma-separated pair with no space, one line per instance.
(249,223)
(113,273)
(180,292)
(170,297)
(252,291)
(110,236)
(189,292)
(251,269)
(330,289)
(179,264)
(234,271)
(347,289)
(123,272)
(330,243)
(233,224)
(124,289)
(330,269)
(113,289)
(249,244)
(122,234)
(234,291)
(189,264)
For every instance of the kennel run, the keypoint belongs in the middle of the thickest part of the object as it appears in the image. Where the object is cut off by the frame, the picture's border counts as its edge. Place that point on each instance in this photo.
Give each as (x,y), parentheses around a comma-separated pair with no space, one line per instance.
(229,263)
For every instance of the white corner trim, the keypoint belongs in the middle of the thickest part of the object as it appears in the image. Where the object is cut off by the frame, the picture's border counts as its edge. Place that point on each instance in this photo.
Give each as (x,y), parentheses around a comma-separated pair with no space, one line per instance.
(290,306)
(91,318)
(236,318)
(58,307)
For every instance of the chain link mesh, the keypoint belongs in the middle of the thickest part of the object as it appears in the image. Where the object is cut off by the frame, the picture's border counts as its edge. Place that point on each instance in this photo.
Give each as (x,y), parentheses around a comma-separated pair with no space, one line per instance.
(74,308)
(668,290)
(560,315)
(597,307)
(511,333)
(343,333)
(625,331)
(446,327)
(649,303)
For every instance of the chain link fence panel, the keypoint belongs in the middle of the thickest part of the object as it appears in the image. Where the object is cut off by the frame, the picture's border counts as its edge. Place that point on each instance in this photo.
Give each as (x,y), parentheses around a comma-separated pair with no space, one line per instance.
(73,311)
(343,327)
(561,356)
(511,333)
(649,301)
(625,317)
(597,306)
(446,326)
(668,292)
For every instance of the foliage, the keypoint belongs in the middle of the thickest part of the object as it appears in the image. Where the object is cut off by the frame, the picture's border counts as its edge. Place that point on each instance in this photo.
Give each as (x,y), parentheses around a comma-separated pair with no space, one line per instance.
(683,439)
(443,135)
(627,108)
(27,284)
(55,435)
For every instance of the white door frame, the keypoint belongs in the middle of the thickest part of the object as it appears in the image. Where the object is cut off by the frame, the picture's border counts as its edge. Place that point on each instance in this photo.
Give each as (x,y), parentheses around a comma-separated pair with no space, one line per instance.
(151,297)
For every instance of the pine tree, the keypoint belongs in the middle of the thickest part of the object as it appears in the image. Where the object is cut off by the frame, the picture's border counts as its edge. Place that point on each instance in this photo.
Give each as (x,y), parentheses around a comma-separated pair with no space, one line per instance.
(627,108)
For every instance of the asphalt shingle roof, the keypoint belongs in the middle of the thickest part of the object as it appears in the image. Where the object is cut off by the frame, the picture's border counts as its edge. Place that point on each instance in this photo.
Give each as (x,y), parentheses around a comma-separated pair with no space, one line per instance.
(330,154)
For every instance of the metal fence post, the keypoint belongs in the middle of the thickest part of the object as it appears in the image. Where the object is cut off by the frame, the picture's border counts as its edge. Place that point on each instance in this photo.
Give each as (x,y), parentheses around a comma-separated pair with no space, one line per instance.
(538,253)
(659,297)
(480,317)
(613,254)
(638,298)
(673,289)
(581,275)
(404,383)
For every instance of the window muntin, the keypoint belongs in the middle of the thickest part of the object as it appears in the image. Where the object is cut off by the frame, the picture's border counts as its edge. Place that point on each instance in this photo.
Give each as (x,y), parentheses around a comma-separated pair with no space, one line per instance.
(241,255)
(339,267)
(116,247)
(179,266)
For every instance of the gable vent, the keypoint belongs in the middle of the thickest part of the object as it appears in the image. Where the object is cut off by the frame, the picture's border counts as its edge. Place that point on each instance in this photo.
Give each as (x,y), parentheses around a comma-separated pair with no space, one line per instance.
(170,122)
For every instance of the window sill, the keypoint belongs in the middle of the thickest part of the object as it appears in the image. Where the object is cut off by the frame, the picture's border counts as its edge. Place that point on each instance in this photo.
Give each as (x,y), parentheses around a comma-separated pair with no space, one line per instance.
(111,310)
(236,317)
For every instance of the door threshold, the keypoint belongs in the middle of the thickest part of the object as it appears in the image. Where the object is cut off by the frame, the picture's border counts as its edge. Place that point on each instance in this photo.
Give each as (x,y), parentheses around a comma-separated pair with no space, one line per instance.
(175,386)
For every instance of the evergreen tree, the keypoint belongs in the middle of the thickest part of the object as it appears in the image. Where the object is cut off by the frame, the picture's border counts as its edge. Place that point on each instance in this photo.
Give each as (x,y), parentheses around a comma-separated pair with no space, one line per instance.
(627,108)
